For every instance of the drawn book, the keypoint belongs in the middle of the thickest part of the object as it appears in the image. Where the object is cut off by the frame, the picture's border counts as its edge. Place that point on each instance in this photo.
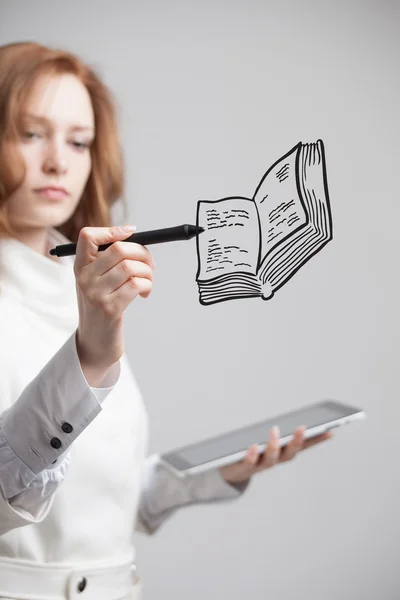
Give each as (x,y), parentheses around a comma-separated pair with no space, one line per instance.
(252,247)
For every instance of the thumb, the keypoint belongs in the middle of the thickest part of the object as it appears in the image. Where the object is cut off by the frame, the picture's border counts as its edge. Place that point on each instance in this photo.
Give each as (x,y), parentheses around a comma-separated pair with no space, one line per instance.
(90,238)
(245,467)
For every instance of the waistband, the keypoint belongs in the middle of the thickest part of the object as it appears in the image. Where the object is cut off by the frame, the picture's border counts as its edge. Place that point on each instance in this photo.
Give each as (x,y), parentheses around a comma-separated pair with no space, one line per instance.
(27,580)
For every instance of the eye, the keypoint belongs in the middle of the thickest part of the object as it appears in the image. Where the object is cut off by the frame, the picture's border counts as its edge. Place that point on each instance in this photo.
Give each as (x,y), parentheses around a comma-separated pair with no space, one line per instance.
(81,145)
(30,134)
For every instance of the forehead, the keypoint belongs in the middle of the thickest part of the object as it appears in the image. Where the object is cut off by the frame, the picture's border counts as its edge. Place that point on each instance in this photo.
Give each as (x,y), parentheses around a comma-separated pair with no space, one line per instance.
(62,99)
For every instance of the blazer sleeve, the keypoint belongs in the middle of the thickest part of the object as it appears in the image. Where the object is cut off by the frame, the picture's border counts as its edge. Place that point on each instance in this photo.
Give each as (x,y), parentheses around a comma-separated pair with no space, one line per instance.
(162,493)
(37,430)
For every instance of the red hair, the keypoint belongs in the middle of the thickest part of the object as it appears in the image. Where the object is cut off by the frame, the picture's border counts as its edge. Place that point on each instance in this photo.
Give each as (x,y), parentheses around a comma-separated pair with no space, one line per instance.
(21,64)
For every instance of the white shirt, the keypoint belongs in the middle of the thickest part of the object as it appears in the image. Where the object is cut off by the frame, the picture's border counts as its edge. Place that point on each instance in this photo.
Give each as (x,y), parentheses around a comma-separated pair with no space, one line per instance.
(75,481)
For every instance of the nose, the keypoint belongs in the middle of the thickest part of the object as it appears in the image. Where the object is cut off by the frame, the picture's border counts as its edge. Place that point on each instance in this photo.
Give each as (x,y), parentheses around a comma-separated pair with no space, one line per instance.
(55,160)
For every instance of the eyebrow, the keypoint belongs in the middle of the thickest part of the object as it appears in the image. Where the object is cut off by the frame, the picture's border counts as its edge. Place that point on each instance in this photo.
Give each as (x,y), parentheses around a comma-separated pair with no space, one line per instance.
(72,127)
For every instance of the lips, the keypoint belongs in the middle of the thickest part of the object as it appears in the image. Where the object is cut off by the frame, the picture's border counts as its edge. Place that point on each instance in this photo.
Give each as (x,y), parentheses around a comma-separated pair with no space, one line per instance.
(53,188)
(53,192)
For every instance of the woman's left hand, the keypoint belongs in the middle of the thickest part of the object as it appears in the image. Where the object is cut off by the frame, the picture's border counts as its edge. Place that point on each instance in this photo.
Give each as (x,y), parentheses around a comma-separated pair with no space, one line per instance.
(254,462)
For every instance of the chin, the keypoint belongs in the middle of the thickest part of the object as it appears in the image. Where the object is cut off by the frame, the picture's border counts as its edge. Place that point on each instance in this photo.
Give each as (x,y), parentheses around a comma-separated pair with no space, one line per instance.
(55,216)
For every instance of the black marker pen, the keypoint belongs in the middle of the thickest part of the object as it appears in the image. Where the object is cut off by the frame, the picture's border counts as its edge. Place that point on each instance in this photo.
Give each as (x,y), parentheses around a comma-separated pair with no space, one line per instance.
(155,236)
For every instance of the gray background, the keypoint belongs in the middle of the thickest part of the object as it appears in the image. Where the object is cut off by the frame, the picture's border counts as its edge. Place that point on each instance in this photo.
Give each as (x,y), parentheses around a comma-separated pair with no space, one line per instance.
(212,93)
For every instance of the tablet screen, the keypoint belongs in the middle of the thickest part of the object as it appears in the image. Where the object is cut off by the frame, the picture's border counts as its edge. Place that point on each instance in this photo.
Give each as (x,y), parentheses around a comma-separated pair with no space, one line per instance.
(236,441)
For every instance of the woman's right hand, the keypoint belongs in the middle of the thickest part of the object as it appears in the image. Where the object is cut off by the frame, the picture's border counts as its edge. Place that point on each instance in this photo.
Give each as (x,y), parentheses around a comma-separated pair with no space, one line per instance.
(106,283)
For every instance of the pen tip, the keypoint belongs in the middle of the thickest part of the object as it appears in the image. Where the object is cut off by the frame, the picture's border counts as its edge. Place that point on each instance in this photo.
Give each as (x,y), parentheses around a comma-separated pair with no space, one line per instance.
(52,252)
(194,229)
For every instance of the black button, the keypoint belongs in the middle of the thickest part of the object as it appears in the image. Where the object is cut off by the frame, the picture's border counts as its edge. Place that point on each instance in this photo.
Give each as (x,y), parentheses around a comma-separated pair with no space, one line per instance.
(82,584)
(56,443)
(67,428)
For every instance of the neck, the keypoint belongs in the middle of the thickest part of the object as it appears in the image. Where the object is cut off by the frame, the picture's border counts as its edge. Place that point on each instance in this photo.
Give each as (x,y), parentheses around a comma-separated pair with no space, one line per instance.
(37,239)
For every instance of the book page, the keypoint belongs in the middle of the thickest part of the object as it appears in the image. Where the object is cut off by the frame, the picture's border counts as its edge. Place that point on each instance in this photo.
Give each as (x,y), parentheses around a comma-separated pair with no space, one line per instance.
(279,205)
(287,258)
(231,240)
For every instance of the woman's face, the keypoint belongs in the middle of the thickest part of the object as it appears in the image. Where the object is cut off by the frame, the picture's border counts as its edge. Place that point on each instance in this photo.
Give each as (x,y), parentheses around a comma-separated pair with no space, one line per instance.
(58,128)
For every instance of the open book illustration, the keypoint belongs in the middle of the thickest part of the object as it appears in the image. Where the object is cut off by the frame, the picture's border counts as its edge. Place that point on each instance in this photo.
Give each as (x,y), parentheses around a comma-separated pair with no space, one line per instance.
(252,247)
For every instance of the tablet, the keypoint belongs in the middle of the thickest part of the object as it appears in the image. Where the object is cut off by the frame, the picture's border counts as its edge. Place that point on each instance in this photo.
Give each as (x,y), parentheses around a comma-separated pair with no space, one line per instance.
(232,446)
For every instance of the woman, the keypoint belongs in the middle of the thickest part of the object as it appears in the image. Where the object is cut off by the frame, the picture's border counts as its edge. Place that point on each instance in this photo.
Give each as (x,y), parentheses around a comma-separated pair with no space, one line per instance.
(75,481)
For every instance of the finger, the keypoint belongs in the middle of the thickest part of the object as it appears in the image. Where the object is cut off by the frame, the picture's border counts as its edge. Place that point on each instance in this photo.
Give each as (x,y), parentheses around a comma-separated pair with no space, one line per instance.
(146,293)
(136,286)
(248,464)
(119,251)
(90,238)
(272,451)
(293,447)
(318,439)
(121,273)
(252,456)
(244,469)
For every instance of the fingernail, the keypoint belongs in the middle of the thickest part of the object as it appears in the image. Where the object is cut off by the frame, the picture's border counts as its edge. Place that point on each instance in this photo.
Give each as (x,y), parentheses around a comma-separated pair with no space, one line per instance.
(128,228)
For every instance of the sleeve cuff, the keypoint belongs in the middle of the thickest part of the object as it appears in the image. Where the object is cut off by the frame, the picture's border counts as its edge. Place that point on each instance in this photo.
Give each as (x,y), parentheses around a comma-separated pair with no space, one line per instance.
(53,410)
(17,477)
(12,517)
(163,492)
